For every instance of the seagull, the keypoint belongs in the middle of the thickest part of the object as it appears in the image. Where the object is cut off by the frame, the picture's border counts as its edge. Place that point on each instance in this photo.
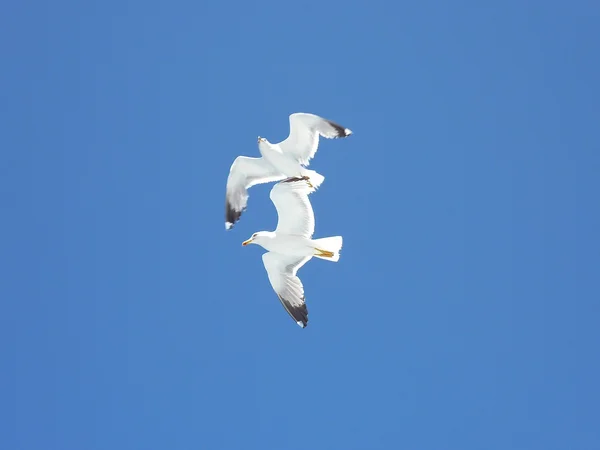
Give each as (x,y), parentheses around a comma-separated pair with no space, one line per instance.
(285,159)
(291,245)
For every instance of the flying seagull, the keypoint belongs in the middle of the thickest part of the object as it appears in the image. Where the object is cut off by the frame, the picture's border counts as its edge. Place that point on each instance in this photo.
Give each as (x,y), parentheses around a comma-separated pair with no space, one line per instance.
(285,159)
(291,245)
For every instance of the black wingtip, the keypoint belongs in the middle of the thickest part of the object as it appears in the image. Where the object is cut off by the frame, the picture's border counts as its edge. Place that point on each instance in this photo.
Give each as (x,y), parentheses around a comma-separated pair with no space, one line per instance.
(231,216)
(298,313)
(340,131)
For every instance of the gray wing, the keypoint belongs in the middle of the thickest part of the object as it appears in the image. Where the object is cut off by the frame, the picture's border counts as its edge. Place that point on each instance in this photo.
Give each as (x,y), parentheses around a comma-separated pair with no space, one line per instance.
(281,270)
(305,130)
(245,172)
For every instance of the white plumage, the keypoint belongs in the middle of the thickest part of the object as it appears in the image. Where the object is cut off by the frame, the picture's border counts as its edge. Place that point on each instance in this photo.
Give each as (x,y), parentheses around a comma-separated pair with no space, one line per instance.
(291,245)
(295,215)
(303,139)
(285,159)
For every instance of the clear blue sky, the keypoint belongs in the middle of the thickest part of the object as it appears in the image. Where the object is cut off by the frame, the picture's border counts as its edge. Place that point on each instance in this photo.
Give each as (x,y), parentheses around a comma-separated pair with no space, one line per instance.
(463,313)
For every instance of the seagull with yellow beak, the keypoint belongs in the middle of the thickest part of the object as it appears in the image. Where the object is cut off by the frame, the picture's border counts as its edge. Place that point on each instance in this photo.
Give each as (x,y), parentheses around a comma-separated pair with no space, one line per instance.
(291,245)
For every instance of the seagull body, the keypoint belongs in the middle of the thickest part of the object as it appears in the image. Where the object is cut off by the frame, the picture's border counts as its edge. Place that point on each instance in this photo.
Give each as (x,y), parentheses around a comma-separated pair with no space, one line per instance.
(291,245)
(286,159)
(285,244)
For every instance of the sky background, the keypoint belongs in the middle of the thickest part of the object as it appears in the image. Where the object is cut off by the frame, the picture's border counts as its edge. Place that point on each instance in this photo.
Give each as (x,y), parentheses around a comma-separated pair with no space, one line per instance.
(463,313)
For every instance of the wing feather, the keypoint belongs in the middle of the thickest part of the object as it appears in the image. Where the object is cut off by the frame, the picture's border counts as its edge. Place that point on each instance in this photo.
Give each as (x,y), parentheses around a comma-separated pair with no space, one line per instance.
(295,213)
(281,270)
(245,172)
(305,130)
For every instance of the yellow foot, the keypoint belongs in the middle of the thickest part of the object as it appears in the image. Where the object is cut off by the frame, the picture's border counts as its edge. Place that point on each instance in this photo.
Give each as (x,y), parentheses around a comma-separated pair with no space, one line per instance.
(323,253)
(307,179)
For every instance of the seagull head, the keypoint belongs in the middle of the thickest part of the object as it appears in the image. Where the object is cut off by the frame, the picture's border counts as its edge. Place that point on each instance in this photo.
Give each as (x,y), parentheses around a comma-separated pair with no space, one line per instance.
(261,140)
(251,240)
(257,238)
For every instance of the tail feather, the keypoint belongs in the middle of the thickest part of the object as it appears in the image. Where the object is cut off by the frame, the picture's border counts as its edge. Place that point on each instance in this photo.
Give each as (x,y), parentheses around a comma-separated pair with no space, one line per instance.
(331,245)
(315,178)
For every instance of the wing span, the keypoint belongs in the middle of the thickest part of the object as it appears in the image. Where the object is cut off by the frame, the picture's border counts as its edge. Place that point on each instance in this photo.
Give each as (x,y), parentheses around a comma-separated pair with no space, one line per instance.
(282,270)
(245,172)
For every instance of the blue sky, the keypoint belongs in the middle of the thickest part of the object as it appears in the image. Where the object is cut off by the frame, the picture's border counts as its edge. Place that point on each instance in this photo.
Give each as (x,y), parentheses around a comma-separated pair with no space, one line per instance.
(463,313)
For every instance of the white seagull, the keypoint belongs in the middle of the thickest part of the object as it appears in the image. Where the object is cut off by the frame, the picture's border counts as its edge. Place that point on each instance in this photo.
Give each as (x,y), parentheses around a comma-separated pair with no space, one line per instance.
(291,245)
(285,159)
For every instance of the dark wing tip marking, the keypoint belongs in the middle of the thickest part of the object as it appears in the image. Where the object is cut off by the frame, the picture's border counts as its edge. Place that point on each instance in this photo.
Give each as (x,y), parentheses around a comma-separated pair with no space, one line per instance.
(298,313)
(231,215)
(340,131)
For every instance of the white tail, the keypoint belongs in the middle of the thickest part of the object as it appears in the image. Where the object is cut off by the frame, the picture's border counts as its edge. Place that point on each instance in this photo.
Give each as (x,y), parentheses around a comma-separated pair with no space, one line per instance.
(315,178)
(330,245)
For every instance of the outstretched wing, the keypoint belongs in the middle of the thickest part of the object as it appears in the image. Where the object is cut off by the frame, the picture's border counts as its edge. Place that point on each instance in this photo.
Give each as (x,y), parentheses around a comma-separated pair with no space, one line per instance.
(244,173)
(303,139)
(282,270)
(295,213)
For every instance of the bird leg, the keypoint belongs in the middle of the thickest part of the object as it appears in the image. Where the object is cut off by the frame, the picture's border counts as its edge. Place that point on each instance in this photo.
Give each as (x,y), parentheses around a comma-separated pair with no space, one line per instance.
(324,253)
(302,178)
(307,179)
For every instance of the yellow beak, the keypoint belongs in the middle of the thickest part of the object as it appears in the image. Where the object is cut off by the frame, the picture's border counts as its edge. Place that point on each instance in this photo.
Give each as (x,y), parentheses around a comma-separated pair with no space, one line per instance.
(247,242)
